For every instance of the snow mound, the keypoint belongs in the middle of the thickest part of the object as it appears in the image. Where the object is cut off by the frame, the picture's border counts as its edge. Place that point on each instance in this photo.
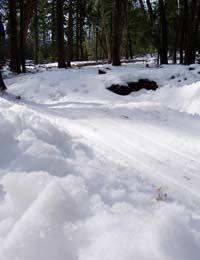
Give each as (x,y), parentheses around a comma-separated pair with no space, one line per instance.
(80,166)
(64,221)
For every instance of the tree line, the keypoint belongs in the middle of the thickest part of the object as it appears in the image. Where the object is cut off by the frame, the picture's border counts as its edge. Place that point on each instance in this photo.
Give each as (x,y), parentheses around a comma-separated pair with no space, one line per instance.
(68,30)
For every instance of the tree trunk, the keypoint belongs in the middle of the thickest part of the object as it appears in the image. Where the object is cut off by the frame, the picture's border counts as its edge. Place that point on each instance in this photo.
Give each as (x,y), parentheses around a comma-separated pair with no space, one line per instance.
(60,34)
(129,40)
(70,35)
(163,34)
(53,29)
(14,52)
(21,38)
(118,22)
(81,31)
(177,23)
(150,10)
(116,35)
(36,33)
(97,34)
(154,28)
(192,28)
(26,13)
(2,84)
(77,29)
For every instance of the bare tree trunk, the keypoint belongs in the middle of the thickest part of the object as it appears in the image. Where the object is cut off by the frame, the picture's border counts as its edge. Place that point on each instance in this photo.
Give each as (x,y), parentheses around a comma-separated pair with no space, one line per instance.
(116,35)
(21,37)
(36,33)
(77,29)
(2,84)
(175,47)
(192,28)
(81,31)
(118,22)
(14,52)
(129,40)
(53,29)
(150,10)
(70,35)
(177,23)
(154,28)
(97,34)
(2,42)
(60,34)
(29,8)
(26,13)
(163,34)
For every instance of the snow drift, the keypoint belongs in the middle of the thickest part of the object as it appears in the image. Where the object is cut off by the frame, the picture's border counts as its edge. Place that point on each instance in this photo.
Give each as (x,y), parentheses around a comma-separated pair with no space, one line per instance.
(80,166)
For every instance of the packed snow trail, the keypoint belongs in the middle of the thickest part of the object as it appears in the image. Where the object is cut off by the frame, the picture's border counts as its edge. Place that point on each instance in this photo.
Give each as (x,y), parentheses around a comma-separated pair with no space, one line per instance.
(143,142)
(81,166)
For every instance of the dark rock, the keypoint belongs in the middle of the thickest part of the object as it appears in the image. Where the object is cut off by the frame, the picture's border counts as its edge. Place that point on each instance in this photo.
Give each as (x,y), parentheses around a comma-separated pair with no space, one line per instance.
(191,68)
(122,90)
(172,77)
(147,84)
(108,68)
(133,86)
(101,72)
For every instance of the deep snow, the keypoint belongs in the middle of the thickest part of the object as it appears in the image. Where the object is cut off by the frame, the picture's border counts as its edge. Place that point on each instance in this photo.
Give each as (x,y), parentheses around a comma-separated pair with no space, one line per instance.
(81,167)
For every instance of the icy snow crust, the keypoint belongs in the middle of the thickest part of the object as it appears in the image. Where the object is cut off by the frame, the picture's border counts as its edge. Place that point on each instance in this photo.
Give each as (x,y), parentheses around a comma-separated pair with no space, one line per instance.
(80,167)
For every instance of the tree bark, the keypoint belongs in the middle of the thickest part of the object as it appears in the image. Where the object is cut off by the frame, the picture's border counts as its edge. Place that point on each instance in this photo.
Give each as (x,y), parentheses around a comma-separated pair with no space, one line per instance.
(70,35)
(116,34)
(14,52)
(22,38)
(26,13)
(36,25)
(192,28)
(53,29)
(81,25)
(2,84)
(163,33)
(60,35)
(154,28)
(77,29)
(97,38)
(177,24)
(118,22)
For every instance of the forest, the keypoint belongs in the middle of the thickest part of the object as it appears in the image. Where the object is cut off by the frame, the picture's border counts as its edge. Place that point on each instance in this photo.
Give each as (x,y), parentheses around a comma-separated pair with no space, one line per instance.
(66,30)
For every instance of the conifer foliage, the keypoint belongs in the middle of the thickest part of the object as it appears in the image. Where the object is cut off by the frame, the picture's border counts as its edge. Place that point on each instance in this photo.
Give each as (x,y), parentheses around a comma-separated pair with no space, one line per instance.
(66,30)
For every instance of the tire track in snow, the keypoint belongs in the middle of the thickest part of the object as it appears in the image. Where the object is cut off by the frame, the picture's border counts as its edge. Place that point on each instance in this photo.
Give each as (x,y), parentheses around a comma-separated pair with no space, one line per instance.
(162,147)
(110,143)
(141,166)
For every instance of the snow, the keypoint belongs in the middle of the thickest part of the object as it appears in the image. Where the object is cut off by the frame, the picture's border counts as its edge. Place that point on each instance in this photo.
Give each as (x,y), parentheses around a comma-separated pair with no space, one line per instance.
(88,174)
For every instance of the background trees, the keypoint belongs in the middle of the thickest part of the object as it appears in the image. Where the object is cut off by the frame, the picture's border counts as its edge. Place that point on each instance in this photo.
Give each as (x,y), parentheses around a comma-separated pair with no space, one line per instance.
(67,30)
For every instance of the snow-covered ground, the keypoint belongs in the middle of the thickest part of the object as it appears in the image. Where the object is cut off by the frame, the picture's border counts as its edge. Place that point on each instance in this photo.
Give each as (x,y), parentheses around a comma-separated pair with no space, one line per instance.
(86,174)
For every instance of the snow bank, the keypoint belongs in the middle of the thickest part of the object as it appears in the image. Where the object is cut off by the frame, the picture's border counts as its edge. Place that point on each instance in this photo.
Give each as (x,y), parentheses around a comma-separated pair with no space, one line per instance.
(71,181)
(64,221)
(59,219)
(126,233)
(84,86)
(43,231)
